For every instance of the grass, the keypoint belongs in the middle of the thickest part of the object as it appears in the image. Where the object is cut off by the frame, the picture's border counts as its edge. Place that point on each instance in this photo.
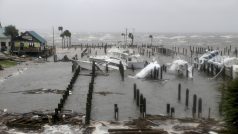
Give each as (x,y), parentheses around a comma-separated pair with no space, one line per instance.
(7,63)
(230,105)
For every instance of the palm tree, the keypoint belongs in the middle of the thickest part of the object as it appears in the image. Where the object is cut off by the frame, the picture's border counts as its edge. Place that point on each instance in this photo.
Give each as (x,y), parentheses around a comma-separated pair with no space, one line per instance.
(123,34)
(151,38)
(131,36)
(68,36)
(62,35)
(60,28)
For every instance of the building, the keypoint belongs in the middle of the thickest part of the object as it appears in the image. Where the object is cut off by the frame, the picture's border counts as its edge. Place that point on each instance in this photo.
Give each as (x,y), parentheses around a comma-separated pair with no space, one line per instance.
(4,40)
(29,42)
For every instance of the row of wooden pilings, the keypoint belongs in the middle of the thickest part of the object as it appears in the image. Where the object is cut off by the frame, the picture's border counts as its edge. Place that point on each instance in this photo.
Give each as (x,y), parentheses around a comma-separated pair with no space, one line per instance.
(196,105)
(155,49)
(140,101)
(200,50)
(90,95)
(65,95)
(210,68)
(157,73)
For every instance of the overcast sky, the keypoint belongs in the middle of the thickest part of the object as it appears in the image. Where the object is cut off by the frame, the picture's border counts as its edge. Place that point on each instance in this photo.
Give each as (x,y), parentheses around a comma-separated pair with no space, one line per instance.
(116,15)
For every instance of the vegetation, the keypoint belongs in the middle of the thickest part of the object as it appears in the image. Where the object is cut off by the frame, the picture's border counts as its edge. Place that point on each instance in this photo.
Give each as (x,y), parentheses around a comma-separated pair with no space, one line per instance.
(131,36)
(151,38)
(67,34)
(66,37)
(11,31)
(7,63)
(230,105)
(60,28)
(124,35)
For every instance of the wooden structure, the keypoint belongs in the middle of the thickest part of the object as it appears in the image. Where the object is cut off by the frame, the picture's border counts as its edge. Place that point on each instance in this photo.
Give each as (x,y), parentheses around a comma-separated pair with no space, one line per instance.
(30,42)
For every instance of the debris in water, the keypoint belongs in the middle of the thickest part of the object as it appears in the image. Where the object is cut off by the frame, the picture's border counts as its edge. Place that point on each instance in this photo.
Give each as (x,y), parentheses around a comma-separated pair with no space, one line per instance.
(104,93)
(40,91)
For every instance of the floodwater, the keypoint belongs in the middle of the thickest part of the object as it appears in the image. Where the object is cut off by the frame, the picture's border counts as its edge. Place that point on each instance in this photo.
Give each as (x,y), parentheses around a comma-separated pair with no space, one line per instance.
(57,75)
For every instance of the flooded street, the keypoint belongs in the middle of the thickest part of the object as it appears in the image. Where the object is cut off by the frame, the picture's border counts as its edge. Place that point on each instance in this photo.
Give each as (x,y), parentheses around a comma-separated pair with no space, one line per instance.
(51,75)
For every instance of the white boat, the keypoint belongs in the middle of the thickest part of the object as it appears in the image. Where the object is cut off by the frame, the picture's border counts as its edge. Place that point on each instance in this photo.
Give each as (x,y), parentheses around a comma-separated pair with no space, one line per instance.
(112,60)
(101,63)
(180,67)
(128,56)
(208,56)
(145,72)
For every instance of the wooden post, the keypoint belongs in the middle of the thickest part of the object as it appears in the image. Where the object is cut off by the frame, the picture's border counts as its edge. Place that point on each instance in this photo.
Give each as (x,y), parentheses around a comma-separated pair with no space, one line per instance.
(172,112)
(134,91)
(107,68)
(137,97)
(161,73)
(199,108)
(168,109)
(187,98)
(121,69)
(56,116)
(209,113)
(55,58)
(154,73)
(141,103)
(144,110)
(132,68)
(116,112)
(194,105)
(186,66)
(179,92)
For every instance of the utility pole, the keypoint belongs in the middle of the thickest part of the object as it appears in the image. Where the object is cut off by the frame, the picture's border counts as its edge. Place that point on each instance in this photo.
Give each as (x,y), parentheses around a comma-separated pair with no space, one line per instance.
(53,37)
(126,36)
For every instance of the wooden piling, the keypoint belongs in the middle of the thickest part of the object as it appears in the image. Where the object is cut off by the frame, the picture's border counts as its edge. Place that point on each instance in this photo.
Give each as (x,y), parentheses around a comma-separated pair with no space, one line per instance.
(116,111)
(199,107)
(141,103)
(106,68)
(172,112)
(161,73)
(134,91)
(209,113)
(187,98)
(179,92)
(121,69)
(168,109)
(144,110)
(137,97)
(55,58)
(194,109)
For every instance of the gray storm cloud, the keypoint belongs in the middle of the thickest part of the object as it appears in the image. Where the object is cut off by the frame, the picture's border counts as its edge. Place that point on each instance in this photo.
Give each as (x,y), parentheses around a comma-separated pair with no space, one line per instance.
(116,15)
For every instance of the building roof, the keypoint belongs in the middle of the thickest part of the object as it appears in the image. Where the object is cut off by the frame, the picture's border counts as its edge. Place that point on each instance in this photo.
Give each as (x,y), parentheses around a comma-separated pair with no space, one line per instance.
(37,36)
(2,35)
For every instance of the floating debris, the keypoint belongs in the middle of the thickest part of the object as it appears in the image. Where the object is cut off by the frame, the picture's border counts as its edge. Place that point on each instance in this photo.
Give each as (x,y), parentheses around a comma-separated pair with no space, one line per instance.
(104,93)
(40,91)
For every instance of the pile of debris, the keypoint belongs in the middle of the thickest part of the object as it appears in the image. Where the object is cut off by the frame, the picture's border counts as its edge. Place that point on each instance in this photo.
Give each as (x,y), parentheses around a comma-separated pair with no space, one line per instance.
(35,121)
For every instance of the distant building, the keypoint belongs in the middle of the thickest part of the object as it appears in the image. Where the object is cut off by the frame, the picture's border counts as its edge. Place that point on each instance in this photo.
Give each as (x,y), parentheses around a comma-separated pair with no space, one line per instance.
(4,40)
(29,42)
